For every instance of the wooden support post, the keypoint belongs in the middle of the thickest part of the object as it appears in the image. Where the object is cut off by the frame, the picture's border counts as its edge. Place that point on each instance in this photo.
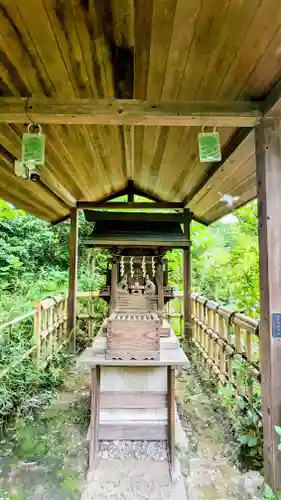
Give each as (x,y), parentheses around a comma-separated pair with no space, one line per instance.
(94,423)
(268,161)
(113,285)
(171,420)
(37,333)
(160,286)
(187,285)
(72,286)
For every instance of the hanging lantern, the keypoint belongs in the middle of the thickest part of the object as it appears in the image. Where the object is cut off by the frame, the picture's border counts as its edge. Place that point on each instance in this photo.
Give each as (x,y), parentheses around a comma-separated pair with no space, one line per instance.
(209,146)
(33,146)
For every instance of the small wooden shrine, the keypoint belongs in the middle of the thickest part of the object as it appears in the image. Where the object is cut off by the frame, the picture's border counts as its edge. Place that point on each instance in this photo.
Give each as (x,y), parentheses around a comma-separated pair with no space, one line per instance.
(134,356)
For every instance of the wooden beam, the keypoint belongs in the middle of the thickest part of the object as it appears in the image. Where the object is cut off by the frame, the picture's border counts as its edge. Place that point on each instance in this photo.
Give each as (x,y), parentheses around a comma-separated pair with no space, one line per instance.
(72,287)
(268,156)
(271,106)
(162,205)
(93,216)
(187,286)
(47,110)
(62,219)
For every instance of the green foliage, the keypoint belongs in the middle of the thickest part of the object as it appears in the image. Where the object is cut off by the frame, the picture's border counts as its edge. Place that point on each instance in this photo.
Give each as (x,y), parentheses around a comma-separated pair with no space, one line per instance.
(225,261)
(33,265)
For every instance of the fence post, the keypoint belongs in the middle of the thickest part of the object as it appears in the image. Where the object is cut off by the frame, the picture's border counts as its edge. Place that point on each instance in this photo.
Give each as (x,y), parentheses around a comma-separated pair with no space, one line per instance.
(37,333)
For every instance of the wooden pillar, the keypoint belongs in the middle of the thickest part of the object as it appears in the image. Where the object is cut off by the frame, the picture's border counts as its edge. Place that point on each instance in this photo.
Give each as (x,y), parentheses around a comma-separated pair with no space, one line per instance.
(171,420)
(94,421)
(268,162)
(72,283)
(187,284)
(160,286)
(113,285)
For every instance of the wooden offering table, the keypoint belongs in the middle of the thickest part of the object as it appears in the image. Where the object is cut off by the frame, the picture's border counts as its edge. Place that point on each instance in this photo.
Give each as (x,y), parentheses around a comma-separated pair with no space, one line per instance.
(133,400)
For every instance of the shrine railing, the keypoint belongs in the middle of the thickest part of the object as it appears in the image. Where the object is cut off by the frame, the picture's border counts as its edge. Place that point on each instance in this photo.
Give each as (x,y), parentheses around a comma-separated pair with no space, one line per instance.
(38,334)
(228,343)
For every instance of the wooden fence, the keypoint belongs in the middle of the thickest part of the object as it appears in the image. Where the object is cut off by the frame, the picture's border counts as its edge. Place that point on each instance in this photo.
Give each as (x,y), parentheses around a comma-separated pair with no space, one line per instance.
(43,331)
(227,341)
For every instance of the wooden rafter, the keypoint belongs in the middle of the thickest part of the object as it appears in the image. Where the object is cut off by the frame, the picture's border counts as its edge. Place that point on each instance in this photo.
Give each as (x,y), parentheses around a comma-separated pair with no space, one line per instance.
(47,110)
(90,205)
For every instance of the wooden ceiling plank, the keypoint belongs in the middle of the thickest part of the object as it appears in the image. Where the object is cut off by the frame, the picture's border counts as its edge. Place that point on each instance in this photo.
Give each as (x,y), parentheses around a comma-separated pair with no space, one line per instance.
(208,27)
(106,141)
(167,164)
(161,33)
(83,26)
(123,21)
(259,35)
(113,143)
(63,21)
(180,44)
(15,45)
(184,25)
(229,185)
(37,20)
(143,33)
(237,21)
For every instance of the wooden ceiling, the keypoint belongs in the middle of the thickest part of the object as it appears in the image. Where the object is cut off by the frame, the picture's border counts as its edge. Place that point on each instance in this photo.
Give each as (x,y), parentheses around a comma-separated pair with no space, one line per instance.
(151,50)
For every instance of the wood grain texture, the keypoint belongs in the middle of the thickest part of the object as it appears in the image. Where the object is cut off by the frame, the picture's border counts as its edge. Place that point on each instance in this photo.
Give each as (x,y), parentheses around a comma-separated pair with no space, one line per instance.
(160,51)
(126,112)
(72,286)
(135,431)
(133,400)
(268,149)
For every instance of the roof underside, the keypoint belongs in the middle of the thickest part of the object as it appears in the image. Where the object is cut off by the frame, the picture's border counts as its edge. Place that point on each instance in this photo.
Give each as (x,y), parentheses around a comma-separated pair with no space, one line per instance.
(154,50)
(138,234)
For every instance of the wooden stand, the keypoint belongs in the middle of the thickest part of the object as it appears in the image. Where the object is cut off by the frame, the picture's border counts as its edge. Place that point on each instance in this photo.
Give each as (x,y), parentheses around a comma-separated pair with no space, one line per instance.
(133,400)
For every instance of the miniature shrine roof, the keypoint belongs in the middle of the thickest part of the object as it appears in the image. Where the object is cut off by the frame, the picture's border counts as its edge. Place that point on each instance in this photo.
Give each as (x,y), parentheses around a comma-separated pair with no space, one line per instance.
(137,234)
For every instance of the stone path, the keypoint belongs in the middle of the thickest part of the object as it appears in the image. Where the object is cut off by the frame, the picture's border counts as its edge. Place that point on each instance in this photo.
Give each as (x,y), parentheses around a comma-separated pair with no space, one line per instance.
(45,458)
(132,479)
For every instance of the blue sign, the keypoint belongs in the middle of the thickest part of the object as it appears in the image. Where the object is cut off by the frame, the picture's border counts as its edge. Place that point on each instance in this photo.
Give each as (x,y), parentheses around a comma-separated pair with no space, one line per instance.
(276,325)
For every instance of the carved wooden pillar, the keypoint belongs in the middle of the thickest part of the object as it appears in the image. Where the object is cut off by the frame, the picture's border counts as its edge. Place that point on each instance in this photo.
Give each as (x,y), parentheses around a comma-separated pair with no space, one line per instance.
(72,286)
(268,161)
